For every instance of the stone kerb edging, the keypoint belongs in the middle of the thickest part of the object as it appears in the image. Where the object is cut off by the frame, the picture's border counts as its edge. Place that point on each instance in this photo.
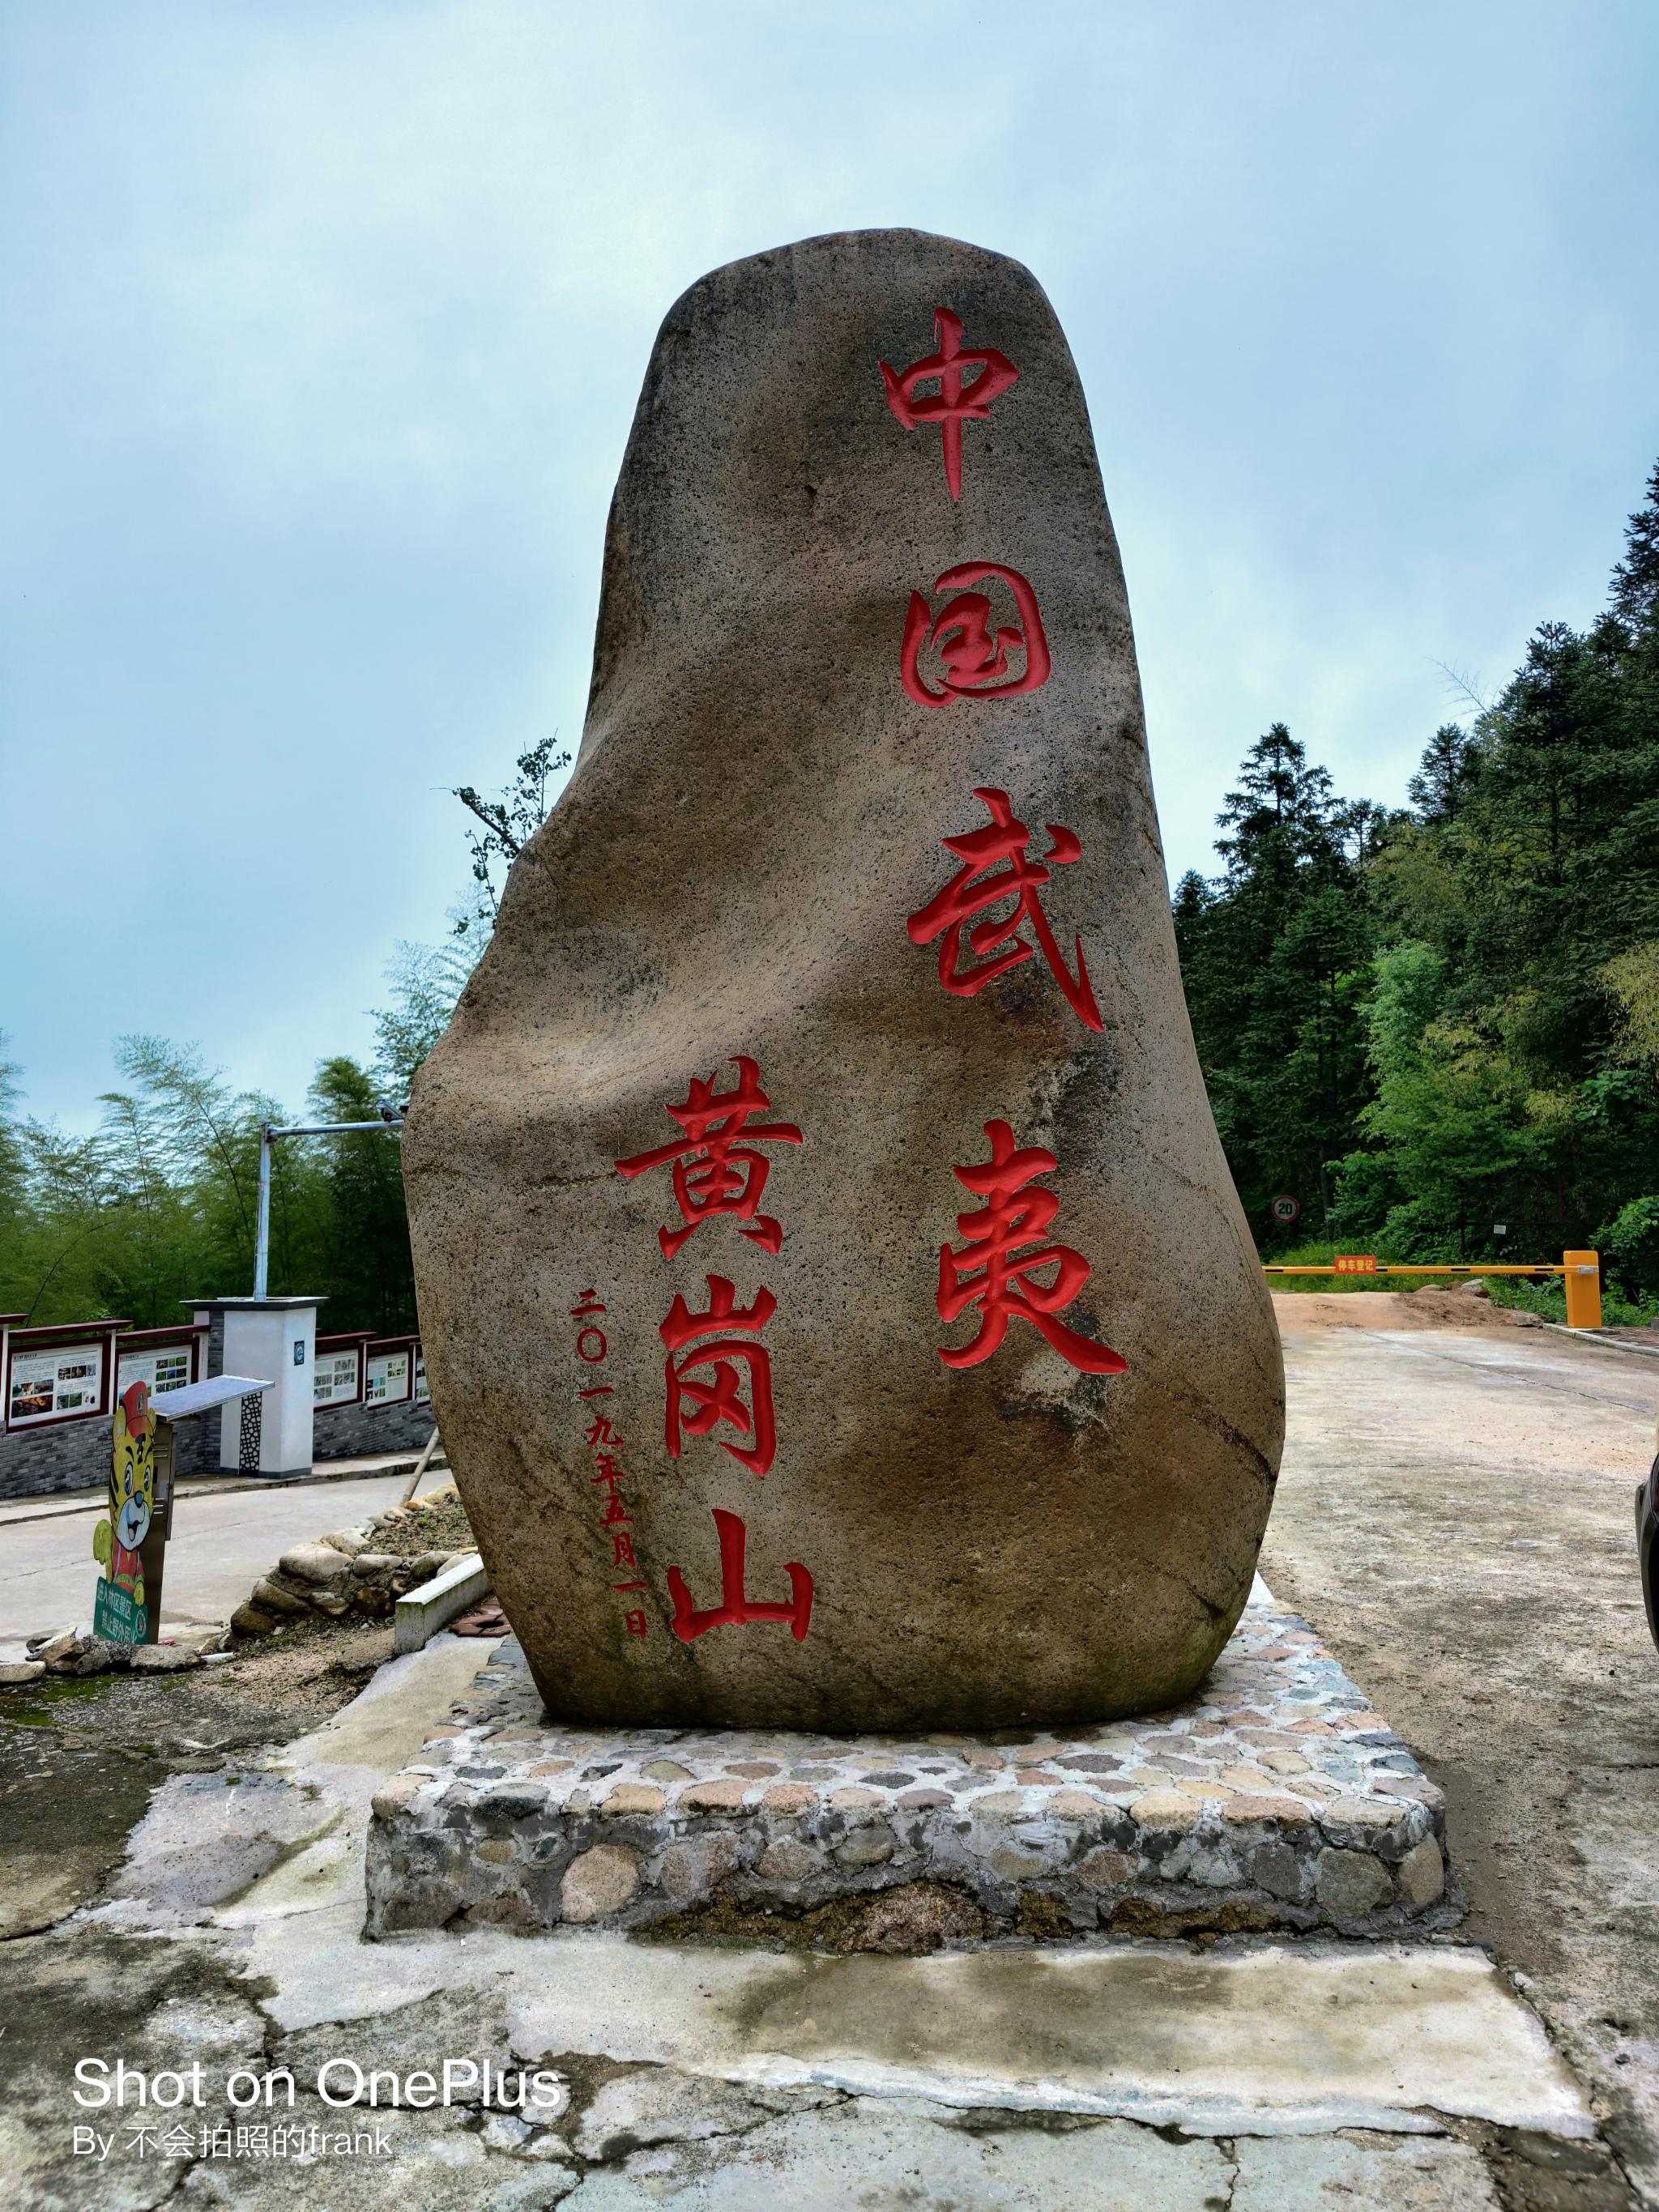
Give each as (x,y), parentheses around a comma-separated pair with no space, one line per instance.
(1273,1799)
(340,1574)
(433,1605)
(78,1651)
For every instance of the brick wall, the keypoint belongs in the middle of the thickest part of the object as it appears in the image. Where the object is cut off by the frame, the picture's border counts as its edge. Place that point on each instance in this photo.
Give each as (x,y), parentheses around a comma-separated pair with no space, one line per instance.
(355,1432)
(75,1455)
(68,1455)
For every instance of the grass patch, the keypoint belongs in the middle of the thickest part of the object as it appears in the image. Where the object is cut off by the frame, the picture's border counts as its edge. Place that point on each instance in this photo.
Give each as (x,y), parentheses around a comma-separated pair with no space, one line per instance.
(1549,1299)
(31,1703)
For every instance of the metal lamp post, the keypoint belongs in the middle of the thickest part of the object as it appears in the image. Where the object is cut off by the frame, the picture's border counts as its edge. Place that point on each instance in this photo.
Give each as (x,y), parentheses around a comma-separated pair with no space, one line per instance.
(391,1119)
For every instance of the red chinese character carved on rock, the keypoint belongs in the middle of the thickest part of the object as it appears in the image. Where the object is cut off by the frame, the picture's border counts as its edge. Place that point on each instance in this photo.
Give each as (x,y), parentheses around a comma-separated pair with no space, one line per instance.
(589,1303)
(996,945)
(956,403)
(989,1276)
(735,1609)
(969,658)
(718,1398)
(611,1474)
(712,1172)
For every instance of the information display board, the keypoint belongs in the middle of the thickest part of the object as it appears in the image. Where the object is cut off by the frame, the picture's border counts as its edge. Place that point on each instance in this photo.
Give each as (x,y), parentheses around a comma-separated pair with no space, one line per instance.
(164,1367)
(60,1384)
(422,1390)
(336,1378)
(387,1379)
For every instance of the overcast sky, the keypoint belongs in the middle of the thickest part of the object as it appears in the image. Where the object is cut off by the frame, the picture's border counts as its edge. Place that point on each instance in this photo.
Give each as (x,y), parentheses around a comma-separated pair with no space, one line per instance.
(325,321)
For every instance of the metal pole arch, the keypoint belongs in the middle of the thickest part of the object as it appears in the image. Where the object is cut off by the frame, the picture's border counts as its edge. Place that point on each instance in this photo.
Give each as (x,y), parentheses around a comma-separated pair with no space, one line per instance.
(388,1124)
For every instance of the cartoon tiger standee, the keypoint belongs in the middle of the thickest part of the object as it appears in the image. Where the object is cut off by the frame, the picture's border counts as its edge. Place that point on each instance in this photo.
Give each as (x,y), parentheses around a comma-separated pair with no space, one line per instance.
(132,1493)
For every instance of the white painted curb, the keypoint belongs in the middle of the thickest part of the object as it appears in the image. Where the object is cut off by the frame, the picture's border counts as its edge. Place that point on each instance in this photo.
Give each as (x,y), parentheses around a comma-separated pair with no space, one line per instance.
(423,1612)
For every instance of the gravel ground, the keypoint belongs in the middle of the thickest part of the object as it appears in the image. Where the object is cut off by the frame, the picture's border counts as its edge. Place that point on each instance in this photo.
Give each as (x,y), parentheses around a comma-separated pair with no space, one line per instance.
(80,1757)
(1454,1519)
(1425,1311)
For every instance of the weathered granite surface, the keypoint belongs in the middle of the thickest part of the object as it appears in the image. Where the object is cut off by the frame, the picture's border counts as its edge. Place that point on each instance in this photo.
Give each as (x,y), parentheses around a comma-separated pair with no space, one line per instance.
(816,680)
(1274,1798)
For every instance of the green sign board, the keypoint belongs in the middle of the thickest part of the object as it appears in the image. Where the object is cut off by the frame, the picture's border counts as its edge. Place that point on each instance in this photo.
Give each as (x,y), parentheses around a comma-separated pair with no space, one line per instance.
(115,1617)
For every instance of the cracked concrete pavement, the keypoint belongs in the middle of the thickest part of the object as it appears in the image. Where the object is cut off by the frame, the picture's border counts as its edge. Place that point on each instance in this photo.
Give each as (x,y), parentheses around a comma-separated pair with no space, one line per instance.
(1244,2076)
(1090,2076)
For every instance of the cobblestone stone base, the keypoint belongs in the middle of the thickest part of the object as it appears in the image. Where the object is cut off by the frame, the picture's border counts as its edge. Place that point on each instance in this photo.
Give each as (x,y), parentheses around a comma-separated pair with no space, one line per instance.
(1274,1798)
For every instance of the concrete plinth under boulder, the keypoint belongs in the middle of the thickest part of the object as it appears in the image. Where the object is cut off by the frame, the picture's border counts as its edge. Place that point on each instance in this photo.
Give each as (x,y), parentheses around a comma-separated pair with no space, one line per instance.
(1274,1798)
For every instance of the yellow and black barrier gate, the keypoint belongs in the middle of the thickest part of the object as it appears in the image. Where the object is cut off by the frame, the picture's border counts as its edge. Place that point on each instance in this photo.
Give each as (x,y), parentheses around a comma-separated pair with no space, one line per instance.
(1582,1272)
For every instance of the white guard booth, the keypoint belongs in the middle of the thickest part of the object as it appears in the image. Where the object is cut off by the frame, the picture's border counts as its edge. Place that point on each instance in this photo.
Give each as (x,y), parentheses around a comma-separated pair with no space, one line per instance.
(267,1432)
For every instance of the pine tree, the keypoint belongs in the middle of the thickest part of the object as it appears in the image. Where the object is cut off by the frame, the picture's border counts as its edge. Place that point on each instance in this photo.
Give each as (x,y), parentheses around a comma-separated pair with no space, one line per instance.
(1442,783)
(1274,955)
(1636,578)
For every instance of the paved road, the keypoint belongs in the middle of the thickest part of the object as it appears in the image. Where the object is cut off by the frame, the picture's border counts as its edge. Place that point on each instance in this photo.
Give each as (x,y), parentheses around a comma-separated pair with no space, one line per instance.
(1455,1518)
(221,1544)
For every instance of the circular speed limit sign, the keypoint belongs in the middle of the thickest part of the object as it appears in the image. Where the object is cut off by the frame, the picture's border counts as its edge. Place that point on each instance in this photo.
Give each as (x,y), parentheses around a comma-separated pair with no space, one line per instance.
(1287,1208)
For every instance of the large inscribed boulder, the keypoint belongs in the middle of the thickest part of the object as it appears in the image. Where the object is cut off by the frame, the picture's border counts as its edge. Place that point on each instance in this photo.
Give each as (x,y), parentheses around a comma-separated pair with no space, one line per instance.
(836,1305)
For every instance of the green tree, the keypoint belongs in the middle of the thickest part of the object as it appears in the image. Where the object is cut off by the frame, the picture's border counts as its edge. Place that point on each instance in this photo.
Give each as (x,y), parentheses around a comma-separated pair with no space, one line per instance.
(56,1266)
(503,826)
(203,1138)
(1442,782)
(364,1258)
(1629,1245)
(1275,955)
(14,1176)
(1636,577)
(1520,897)
(425,982)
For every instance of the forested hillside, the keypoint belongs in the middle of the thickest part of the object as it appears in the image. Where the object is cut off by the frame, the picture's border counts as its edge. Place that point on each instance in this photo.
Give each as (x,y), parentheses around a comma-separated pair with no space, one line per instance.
(1438,1029)
(158,1204)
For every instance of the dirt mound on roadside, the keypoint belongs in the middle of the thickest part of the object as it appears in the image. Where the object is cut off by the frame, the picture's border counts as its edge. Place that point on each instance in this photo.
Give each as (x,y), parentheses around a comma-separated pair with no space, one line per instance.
(1429,1309)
